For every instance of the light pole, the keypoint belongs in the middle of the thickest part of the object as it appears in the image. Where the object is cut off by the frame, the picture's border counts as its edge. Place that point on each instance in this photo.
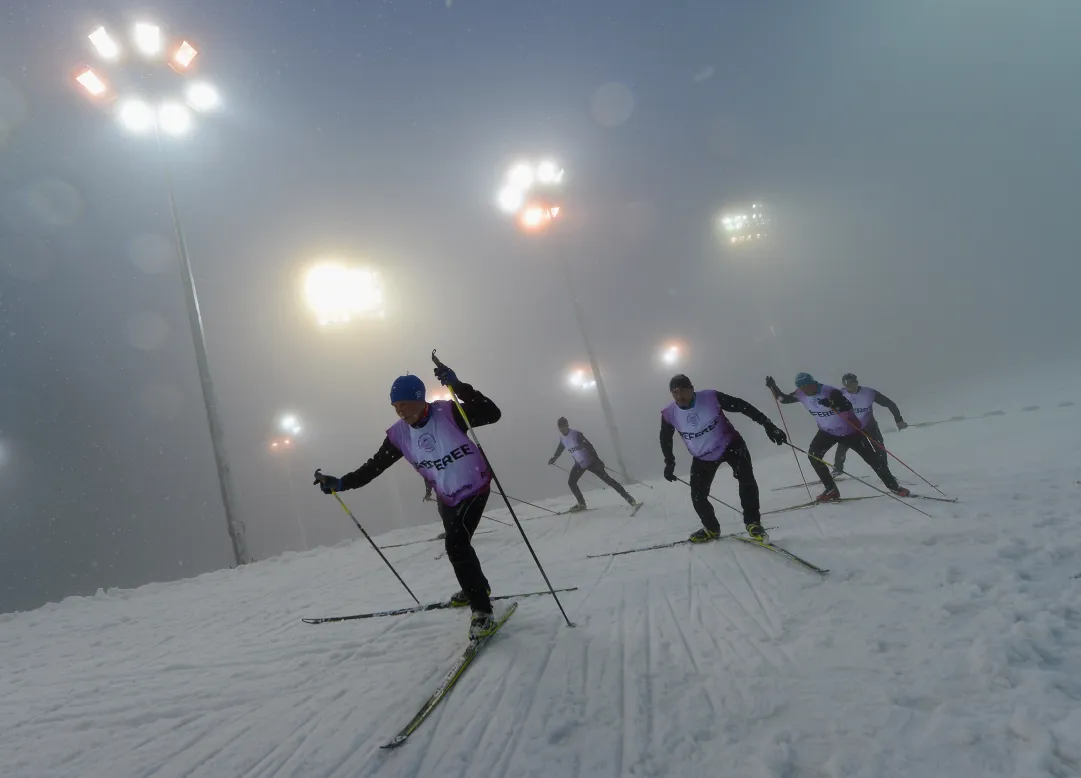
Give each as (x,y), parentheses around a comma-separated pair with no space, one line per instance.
(283,446)
(153,94)
(532,195)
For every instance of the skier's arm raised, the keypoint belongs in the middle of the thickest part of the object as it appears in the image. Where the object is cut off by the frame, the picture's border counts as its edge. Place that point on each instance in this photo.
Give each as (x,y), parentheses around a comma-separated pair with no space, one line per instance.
(477,407)
(781,397)
(731,404)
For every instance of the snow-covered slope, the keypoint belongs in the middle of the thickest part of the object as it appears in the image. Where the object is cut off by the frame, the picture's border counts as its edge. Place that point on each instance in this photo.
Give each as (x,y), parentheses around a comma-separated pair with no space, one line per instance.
(947,646)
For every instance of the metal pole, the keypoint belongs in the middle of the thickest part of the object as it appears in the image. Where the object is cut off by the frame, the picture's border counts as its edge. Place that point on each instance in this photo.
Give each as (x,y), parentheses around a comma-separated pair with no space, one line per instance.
(606,406)
(232,523)
(293,500)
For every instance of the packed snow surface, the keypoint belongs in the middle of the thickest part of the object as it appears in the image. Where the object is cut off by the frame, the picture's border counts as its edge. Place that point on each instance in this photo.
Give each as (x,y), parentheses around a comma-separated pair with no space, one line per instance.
(937,647)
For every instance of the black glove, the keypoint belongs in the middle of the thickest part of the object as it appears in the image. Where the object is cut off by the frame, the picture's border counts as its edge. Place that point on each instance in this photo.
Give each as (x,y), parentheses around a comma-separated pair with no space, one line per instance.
(901,424)
(770,382)
(552,461)
(776,434)
(670,472)
(446,376)
(827,402)
(328,483)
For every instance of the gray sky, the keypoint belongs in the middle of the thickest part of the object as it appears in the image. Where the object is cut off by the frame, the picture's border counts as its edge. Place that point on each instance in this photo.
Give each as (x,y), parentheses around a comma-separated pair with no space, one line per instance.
(921,162)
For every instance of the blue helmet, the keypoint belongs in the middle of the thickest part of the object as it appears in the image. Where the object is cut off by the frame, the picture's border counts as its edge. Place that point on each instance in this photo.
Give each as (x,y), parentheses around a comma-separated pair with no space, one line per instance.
(406,387)
(803,379)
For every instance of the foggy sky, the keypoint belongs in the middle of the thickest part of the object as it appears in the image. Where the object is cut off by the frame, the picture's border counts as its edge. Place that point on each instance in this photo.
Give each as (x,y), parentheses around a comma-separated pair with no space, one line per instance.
(921,160)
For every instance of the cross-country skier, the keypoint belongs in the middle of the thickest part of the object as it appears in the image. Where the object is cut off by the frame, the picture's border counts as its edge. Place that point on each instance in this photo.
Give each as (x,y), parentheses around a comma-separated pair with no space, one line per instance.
(585,458)
(836,422)
(432,437)
(864,399)
(700,419)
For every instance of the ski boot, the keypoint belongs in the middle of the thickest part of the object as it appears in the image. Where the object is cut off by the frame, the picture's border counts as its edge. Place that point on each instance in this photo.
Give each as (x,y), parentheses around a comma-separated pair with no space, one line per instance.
(901,491)
(577,508)
(829,495)
(704,536)
(836,474)
(460,599)
(481,625)
(757,532)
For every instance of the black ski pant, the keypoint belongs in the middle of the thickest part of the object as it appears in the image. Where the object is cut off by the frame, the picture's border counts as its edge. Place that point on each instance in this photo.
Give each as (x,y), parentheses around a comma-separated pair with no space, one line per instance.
(460,522)
(738,456)
(858,442)
(597,468)
(842,446)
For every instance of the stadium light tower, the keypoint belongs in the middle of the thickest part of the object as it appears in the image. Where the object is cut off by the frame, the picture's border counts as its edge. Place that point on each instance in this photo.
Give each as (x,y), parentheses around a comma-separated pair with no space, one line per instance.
(150,93)
(745,224)
(532,194)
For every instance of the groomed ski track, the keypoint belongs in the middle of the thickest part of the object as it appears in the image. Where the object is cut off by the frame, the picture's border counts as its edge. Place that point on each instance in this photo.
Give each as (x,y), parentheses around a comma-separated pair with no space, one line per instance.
(945,647)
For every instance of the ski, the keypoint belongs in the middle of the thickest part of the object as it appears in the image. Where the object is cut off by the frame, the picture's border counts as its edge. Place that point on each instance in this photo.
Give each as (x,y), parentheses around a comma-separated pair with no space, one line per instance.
(820,502)
(783,552)
(635,507)
(422,608)
(936,499)
(430,540)
(452,676)
(685,541)
(815,483)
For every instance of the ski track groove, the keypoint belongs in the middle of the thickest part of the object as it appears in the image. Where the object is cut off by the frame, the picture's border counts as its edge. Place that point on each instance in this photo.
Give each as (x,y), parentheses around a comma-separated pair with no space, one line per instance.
(747,637)
(528,703)
(754,591)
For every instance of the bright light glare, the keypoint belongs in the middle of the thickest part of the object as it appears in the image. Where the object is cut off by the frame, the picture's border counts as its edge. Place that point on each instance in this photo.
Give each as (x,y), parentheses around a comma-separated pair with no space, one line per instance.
(549,172)
(670,355)
(185,55)
(89,80)
(581,379)
(136,116)
(510,199)
(148,38)
(520,176)
(290,424)
(337,294)
(202,96)
(105,45)
(174,119)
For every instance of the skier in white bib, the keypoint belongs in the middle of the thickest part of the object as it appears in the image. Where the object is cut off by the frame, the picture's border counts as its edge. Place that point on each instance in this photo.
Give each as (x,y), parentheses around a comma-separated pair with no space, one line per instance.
(864,399)
(836,422)
(432,438)
(585,458)
(699,418)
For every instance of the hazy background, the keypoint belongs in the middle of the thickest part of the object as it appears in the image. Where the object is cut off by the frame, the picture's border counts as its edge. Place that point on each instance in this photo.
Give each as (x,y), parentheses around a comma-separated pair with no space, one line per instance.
(921,160)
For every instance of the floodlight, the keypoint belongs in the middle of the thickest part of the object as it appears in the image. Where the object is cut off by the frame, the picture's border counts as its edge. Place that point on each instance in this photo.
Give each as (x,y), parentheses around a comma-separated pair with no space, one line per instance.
(174,119)
(185,55)
(337,294)
(148,38)
(520,176)
(549,172)
(90,81)
(105,45)
(136,115)
(510,199)
(202,96)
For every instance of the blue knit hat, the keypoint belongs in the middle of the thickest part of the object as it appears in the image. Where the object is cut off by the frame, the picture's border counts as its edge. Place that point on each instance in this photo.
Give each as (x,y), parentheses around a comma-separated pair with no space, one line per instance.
(802,379)
(406,387)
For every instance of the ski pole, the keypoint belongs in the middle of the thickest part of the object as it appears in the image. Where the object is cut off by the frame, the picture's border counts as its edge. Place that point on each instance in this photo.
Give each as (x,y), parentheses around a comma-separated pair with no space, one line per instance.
(499,486)
(532,505)
(627,478)
(565,470)
(865,483)
(497,521)
(789,436)
(349,513)
(710,496)
(883,447)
